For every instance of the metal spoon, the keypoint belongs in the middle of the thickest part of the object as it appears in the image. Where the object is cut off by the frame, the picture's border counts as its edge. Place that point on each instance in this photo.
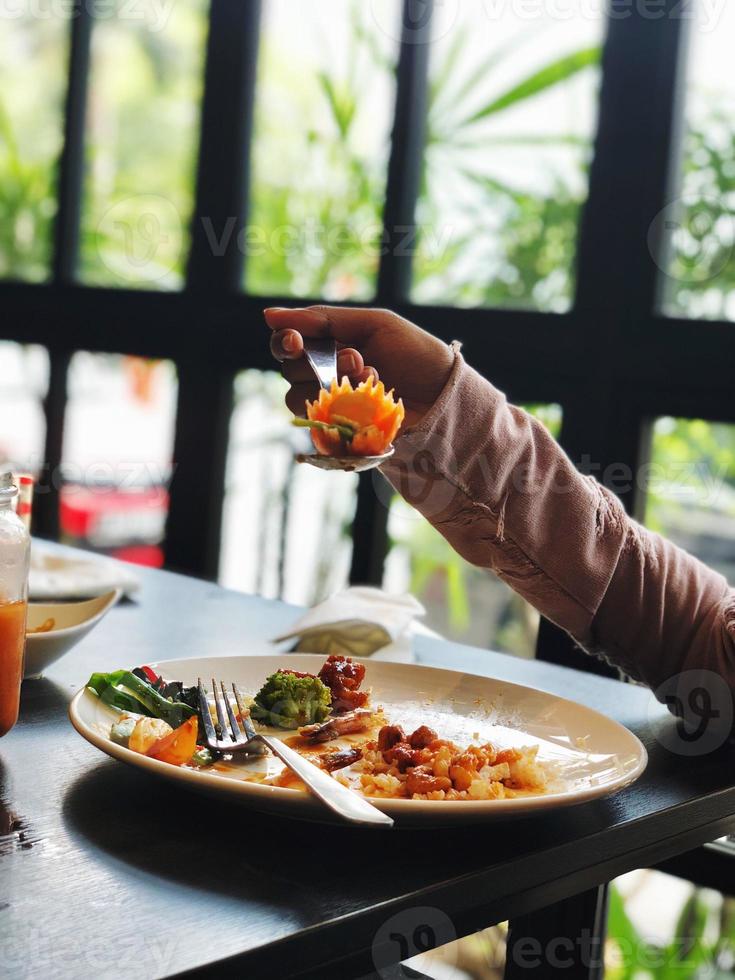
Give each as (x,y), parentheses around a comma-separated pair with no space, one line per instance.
(350,464)
(322,356)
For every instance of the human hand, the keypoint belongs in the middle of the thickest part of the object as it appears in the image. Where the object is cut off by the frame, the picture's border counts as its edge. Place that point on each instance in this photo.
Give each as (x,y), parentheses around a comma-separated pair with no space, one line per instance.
(406,358)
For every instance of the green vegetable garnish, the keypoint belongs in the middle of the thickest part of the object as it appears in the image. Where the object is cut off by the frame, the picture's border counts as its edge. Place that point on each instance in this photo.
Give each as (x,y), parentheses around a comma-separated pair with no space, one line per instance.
(124,690)
(289,699)
(202,757)
(345,431)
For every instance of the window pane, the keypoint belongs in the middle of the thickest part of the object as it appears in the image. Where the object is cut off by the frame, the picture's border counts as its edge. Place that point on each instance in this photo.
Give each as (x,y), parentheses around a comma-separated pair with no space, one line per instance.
(286,527)
(118,446)
(701,272)
(691,490)
(323,116)
(33,66)
(511,119)
(463,602)
(23,385)
(142,128)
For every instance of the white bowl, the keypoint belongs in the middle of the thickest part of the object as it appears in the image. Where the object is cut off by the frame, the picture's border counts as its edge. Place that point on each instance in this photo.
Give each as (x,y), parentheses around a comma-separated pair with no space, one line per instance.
(72,621)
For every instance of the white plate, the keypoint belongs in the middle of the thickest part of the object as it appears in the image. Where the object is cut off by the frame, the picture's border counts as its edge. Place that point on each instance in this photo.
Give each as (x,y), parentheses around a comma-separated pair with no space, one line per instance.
(591,755)
(72,622)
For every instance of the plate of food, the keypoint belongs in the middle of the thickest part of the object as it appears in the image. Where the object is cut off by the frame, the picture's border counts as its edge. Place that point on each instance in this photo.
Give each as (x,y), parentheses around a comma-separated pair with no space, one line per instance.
(425,745)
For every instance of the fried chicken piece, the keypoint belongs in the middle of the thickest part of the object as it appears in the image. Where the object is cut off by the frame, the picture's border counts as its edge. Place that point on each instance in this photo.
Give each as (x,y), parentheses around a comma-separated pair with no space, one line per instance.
(390,735)
(422,737)
(343,678)
(355,721)
(340,759)
(402,756)
(422,780)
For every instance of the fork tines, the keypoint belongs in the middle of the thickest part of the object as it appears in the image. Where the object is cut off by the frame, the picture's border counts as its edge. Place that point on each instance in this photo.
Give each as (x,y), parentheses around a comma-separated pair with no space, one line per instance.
(226,735)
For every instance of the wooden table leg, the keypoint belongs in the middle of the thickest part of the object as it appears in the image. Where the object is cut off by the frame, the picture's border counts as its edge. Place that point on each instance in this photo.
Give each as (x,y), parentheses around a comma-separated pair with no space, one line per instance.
(563,940)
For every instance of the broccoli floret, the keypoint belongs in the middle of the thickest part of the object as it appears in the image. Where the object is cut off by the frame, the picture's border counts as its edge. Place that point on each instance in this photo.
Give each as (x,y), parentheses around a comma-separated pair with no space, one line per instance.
(289,699)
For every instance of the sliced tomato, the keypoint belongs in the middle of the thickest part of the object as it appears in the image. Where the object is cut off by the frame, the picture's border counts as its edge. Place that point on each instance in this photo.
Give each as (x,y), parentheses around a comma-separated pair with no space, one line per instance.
(177,747)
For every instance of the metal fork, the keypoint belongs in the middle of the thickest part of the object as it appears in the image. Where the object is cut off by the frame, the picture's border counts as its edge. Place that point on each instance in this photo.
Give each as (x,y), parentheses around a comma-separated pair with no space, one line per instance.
(322,355)
(228,736)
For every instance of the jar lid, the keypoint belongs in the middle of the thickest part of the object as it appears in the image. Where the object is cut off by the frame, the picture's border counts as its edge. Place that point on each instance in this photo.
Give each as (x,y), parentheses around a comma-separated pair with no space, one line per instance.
(8,489)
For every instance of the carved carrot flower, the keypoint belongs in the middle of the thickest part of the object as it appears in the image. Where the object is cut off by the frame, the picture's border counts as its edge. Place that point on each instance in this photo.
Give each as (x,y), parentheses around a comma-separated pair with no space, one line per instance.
(347,421)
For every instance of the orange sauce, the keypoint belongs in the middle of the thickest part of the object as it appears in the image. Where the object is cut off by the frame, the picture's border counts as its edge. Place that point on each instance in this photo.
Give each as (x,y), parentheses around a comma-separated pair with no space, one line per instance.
(12,646)
(304,746)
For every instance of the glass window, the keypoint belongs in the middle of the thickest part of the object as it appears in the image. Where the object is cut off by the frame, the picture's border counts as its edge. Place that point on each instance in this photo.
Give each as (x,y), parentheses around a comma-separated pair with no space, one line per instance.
(118,447)
(691,489)
(23,386)
(701,273)
(33,65)
(142,130)
(463,602)
(323,115)
(511,118)
(286,526)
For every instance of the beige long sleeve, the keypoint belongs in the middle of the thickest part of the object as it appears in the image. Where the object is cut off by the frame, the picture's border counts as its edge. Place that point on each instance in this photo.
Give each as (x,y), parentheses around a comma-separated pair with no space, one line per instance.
(493,481)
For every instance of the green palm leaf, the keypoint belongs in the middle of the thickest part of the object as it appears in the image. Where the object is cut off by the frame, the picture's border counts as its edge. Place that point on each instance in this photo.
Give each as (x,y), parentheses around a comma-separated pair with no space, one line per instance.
(520,139)
(477,75)
(621,928)
(495,186)
(552,74)
(442,77)
(342,106)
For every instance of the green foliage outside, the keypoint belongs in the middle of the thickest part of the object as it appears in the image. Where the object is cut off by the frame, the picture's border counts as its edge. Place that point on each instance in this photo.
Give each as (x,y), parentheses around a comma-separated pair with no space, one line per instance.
(528,239)
(142,118)
(32,80)
(319,167)
(143,123)
(701,948)
(142,126)
(701,275)
(692,464)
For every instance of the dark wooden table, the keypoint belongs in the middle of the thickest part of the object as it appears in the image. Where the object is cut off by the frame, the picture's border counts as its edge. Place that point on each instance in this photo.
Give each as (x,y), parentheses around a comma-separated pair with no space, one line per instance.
(106,872)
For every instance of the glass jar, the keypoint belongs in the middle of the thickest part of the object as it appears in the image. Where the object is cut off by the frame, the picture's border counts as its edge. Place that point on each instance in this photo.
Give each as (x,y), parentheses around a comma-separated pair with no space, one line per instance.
(15,551)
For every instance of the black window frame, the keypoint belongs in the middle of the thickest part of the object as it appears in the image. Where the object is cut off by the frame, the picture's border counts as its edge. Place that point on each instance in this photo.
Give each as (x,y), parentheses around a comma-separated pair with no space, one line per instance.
(613,361)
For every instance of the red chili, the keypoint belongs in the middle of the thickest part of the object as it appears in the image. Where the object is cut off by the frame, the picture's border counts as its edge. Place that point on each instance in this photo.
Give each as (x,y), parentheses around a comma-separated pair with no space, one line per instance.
(150,674)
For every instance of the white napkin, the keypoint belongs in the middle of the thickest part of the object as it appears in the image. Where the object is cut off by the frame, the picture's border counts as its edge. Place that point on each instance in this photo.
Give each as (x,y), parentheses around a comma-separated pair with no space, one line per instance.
(360,621)
(56,575)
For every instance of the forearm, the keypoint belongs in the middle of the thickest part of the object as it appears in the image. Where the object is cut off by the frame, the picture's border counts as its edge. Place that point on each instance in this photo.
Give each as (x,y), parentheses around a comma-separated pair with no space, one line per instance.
(493,481)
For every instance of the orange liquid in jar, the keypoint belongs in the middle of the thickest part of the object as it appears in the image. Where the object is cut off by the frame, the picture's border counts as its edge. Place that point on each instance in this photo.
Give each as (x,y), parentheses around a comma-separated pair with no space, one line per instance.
(12,646)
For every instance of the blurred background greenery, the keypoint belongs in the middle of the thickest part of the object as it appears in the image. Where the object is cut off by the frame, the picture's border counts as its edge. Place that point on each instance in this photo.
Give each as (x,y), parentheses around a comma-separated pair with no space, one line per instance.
(509,136)
(510,130)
